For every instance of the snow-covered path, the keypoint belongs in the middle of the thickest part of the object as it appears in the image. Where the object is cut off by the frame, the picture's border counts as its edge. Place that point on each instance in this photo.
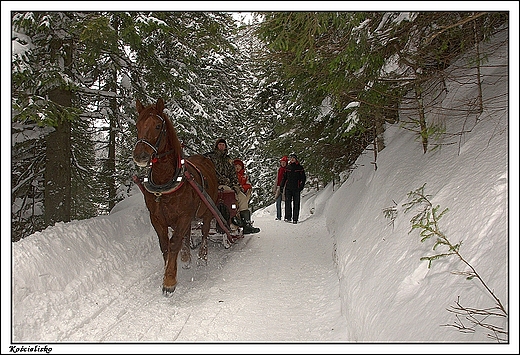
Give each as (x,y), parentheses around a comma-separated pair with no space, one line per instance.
(263,284)
(250,292)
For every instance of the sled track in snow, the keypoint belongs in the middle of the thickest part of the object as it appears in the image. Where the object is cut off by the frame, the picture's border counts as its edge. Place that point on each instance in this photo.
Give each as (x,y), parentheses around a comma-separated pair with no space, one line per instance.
(141,298)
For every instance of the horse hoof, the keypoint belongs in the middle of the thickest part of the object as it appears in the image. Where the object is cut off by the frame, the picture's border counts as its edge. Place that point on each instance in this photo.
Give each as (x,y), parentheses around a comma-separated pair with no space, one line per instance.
(202,262)
(194,244)
(226,243)
(186,265)
(168,291)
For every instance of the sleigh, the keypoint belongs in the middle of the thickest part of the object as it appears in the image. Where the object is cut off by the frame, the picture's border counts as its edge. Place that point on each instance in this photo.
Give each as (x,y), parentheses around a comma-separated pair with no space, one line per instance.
(227,206)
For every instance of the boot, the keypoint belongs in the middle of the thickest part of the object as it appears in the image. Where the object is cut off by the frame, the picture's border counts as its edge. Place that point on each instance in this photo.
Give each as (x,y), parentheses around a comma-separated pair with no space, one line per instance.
(237,221)
(246,221)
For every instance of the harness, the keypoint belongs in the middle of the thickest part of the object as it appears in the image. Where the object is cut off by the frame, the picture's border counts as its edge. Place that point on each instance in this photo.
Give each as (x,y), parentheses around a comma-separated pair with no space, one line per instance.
(172,185)
(162,133)
(181,174)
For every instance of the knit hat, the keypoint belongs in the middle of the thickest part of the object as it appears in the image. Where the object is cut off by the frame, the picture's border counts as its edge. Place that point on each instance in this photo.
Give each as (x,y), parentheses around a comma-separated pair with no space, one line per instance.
(293,156)
(284,158)
(239,162)
(221,140)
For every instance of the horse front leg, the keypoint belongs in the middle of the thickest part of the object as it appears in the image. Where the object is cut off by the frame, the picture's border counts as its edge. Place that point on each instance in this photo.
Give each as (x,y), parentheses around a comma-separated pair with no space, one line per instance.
(180,229)
(167,246)
(170,267)
(162,233)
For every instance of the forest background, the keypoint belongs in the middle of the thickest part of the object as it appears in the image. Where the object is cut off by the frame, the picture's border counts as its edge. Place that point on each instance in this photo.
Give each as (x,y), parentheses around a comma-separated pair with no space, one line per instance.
(320,84)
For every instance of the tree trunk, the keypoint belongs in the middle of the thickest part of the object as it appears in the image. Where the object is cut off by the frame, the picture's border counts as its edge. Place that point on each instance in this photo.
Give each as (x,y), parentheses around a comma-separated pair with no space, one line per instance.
(111,162)
(476,28)
(57,200)
(380,130)
(422,116)
(58,154)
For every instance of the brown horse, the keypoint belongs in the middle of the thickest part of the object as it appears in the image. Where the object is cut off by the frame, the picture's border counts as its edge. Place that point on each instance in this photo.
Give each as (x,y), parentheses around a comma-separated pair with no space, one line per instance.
(172,202)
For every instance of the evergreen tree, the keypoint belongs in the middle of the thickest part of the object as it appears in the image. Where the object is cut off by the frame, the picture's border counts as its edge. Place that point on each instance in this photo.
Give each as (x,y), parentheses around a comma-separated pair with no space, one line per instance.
(348,72)
(320,84)
(43,93)
(115,58)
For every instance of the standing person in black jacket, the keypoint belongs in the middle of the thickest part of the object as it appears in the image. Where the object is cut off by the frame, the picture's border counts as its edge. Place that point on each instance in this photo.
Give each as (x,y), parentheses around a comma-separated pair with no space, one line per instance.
(293,180)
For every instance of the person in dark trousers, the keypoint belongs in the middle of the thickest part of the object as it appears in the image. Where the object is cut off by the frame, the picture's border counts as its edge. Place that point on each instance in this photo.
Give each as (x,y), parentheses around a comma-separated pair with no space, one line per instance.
(278,194)
(293,181)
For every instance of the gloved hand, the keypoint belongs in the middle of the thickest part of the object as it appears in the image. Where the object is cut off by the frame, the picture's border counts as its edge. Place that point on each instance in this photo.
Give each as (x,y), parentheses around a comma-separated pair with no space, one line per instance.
(223,181)
(277,192)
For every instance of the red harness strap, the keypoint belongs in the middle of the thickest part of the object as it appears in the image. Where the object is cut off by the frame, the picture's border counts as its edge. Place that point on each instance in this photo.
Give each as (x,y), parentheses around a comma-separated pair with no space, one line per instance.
(209,203)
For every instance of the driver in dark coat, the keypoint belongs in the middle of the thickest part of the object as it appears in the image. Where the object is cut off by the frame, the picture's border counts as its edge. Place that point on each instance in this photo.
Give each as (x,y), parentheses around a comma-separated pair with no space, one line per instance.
(224,167)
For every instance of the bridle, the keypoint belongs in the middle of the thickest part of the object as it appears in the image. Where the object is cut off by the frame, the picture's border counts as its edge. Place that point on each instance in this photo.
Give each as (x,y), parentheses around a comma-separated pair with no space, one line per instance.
(177,180)
(155,147)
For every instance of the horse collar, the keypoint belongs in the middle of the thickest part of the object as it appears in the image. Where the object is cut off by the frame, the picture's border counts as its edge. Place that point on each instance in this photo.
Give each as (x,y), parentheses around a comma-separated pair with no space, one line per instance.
(171,186)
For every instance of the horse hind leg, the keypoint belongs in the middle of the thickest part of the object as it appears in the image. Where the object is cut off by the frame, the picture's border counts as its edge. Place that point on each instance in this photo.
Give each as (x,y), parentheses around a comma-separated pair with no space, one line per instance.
(186,252)
(203,248)
(202,259)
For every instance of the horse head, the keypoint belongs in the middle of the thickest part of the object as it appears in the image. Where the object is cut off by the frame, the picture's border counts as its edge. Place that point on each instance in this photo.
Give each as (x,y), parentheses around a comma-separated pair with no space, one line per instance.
(152,137)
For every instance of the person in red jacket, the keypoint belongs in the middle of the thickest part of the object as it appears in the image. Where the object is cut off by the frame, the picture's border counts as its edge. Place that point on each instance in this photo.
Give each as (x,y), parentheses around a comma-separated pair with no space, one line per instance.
(278,194)
(243,203)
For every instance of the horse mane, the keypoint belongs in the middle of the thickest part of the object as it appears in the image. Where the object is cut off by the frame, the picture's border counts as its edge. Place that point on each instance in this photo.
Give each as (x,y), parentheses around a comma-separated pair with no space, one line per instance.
(172,134)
